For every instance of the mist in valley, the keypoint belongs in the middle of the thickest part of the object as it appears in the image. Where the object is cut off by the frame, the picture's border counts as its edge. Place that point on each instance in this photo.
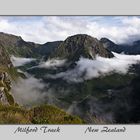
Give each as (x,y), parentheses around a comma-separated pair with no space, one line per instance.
(33,91)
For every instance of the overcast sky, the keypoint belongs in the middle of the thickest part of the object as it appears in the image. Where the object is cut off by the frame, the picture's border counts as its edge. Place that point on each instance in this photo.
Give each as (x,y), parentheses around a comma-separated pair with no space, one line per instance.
(41,29)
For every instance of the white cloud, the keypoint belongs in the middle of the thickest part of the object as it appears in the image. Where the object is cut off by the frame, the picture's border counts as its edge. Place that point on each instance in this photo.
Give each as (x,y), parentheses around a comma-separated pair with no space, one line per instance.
(49,28)
(134,21)
(28,91)
(19,61)
(32,92)
(4,24)
(88,69)
(52,63)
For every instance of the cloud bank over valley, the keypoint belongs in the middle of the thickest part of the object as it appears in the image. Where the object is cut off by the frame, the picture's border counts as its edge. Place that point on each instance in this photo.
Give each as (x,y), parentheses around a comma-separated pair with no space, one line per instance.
(87,69)
(19,61)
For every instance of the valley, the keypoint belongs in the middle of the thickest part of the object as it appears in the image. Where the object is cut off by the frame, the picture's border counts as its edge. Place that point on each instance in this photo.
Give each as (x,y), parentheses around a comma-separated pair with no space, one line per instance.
(78,80)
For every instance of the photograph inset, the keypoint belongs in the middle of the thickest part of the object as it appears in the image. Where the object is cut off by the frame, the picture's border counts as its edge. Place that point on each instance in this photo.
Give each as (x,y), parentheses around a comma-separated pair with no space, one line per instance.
(69,69)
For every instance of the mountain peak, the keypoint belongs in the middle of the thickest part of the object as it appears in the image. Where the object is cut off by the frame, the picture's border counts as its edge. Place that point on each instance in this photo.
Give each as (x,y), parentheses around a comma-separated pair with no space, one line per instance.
(81,45)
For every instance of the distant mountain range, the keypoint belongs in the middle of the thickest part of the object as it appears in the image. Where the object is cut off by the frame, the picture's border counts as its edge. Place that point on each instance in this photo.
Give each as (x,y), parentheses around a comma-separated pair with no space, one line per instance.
(16,46)
(131,49)
(73,47)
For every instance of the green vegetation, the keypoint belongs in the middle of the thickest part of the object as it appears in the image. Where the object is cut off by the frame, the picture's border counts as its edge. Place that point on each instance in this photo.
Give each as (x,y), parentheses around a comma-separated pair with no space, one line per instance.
(15,45)
(97,87)
(9,97)
(45,114)
(12,72)
(14,115)
(110,93)
(53,115)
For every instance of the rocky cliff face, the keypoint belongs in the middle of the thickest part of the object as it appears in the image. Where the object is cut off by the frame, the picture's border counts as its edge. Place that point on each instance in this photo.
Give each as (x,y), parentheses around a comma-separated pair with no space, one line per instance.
(5,81)
(5,87)
(3,99)
(81,45)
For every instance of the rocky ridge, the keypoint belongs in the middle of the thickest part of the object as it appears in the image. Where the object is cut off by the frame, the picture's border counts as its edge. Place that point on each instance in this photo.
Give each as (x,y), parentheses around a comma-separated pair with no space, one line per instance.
(81,45)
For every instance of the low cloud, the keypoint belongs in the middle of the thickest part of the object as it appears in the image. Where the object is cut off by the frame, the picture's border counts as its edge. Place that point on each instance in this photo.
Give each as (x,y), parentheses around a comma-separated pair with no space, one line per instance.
(52,63)
(28,91)
(19,61)
(31,92)
(88,69)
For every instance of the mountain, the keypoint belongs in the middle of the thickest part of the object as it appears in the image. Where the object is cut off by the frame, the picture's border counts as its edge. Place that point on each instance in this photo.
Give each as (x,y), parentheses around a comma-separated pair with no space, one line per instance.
(48,48)
(12,113)
(132,49)
(74,47)
(97,100)
(81,45)
(71,49)
(5,62)
(16,46)
(135,48)
(110,45)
